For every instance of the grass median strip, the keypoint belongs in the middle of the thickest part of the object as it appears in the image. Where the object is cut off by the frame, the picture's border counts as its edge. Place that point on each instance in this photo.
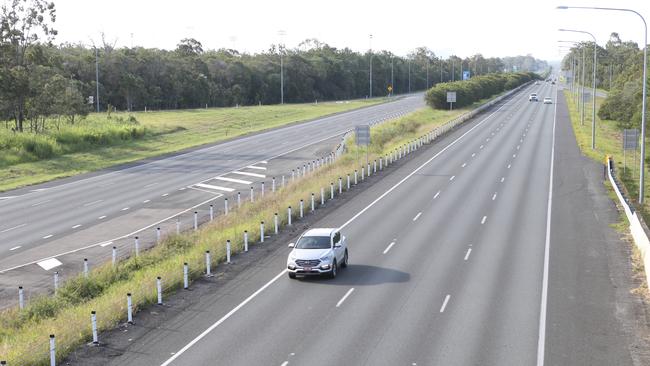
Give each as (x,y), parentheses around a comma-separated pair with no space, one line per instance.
(101,141)
(24,333)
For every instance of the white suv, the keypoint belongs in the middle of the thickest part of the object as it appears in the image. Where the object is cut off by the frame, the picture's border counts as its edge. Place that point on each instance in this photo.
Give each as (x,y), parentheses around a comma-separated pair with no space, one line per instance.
(533,97)
(317,252)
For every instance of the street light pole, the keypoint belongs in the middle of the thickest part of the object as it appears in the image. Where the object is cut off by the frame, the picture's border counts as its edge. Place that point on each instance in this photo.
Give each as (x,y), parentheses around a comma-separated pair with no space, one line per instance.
(370,76)
(392,83)
(97,78)
(409,74)
(643,102)
(593,92)
(281,46)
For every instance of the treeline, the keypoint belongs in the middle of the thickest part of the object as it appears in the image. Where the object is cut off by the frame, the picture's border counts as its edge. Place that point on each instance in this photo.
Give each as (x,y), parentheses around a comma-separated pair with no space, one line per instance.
(619,71)
(41,81)
(475,89)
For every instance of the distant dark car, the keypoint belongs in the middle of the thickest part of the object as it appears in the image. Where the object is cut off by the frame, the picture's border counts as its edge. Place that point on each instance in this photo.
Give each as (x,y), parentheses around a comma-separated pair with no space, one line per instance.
(552,82)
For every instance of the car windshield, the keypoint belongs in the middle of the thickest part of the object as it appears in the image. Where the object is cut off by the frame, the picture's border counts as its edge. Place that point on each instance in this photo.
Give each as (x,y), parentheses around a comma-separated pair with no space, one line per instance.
(314,242)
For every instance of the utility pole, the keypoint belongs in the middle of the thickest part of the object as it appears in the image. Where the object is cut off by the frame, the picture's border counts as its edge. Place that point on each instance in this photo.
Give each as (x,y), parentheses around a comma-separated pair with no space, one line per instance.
(97,78)
(427,72)
(370,75)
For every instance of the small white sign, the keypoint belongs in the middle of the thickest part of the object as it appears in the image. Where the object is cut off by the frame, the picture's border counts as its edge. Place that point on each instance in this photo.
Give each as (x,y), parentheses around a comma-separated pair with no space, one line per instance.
(451,97)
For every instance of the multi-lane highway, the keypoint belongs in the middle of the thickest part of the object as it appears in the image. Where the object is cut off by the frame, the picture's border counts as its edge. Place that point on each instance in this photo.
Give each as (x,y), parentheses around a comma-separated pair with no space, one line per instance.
(454,260)
(58,217)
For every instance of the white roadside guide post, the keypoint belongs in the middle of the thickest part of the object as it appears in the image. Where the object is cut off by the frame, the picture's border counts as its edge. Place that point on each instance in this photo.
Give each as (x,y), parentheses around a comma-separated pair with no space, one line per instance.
(186,280)
(252,195)
(158,235)
(129,309)
(289,215)
(261,231)
(21,298)
(273,185)
(56,281)
(93,322)
(355,177)
(312,203)
(137,242)
(196,220)
(85,267)
(178,224)
(52,350)
(340,185)
(302,208)
(208,264)
(332,190)
(225,208)
(245,240)
(275,223)
(228,251)
(322,196)
(159,289)
(262,189)
(238,199)
(212,210)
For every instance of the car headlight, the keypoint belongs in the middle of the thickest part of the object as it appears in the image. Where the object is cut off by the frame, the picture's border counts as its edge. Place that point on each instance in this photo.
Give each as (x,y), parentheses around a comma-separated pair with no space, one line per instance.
(292,257)
(326,258)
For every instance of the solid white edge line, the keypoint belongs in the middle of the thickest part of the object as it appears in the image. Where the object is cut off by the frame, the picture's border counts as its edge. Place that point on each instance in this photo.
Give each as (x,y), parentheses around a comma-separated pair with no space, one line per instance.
(541,339)
(48,236)
(388,247)
(76,226)
(16,247)
(12,228)
(437,194)
(468,252)
(338,304)
(421,166)
(223,318)
(444,304)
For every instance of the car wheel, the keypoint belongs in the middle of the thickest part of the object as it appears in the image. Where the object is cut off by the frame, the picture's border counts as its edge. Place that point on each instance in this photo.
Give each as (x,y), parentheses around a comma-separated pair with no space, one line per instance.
(334,270)
(292,275)
(345,259)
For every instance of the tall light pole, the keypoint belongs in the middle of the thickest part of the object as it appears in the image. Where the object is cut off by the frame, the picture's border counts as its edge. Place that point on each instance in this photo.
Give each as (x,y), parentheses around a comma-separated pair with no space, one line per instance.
(593,92)
(97,78)
(643,103)
(453,71)
(281,33)
(581,102)
(441,69)
(370,76)
(409,74)
(392,83)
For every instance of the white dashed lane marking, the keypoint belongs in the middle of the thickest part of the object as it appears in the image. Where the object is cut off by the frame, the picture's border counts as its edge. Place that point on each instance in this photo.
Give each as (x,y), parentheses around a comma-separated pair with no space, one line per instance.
(483,220)
(444,303)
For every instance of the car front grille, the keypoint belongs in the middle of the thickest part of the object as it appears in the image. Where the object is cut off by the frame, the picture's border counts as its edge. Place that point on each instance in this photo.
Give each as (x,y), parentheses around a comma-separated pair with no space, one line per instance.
(307,263)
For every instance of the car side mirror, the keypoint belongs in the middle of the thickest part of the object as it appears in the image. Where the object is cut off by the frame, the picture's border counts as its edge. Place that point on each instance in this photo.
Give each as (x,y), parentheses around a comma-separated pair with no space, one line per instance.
(292,245)
(337,245)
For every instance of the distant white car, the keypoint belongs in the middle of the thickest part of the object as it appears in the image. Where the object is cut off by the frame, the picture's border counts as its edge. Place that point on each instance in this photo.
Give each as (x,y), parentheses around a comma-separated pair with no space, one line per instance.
(318,252)
(533,98)
(548,101)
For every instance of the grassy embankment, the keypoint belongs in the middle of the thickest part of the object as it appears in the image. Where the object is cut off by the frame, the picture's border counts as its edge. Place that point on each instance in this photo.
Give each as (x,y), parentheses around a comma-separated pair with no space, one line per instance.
(98,142)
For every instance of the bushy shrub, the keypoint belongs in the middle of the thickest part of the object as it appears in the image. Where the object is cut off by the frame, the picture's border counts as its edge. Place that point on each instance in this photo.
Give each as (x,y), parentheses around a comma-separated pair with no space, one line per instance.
(476,88)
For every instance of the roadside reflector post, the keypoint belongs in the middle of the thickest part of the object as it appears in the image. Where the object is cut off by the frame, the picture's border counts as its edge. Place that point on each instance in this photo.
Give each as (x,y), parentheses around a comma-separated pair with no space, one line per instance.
(340,185)
(356,175)
(331,190)
(363,173)
(136,244)
(228,251)
(262,189)
(293,175)
(196,220)
(252,195)
(159,289)
(114,256)
(238,199)
(381,163)
(374,167)
(212,210)
(302,208)
(178,225)
(85,267)
(289,216)
(322,196)
(245,240)
(158,235)
(56,281)
(313,206)
(208,264)
(21,298)
(93,323)
(225,208)
(368,169)
(186,279)
(261,231)
(275,222)
(52,350)
(348,185)
(273,184)
(282,183)
(129,309)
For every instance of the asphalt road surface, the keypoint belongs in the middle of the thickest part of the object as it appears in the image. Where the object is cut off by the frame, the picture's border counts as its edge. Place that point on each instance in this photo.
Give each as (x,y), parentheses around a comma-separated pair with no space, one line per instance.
(460,256)
(59,217)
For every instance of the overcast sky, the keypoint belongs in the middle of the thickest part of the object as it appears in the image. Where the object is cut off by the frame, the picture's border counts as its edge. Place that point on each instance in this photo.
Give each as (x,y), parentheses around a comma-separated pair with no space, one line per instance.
(491,27)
